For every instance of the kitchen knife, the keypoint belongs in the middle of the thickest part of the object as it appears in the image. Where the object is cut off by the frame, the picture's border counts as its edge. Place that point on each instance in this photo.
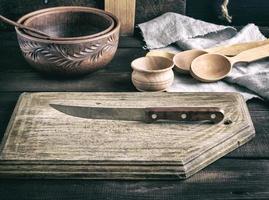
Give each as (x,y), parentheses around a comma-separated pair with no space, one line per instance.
(148,115)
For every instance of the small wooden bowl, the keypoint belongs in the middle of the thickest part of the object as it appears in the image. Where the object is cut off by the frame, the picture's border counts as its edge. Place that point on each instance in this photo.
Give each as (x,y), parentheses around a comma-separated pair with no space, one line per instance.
(71,23)
(69,57)
(152,73)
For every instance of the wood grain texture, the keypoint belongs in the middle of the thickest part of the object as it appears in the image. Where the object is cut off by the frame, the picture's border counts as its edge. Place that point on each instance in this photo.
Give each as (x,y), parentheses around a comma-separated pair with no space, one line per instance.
(225,179)
(255,149)
(149,9)
(41,141)
(125,11)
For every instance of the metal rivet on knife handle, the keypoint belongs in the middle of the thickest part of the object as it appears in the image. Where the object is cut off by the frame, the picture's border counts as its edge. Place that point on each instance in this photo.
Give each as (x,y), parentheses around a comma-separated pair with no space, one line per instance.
(183,116)
(154,116)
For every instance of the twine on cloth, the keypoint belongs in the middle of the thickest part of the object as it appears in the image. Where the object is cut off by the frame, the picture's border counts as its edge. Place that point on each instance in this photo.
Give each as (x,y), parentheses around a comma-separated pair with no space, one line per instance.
(225,12)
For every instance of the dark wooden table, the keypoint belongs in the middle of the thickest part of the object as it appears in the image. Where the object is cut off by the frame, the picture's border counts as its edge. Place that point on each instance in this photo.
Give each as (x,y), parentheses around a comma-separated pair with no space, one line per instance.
(243,174)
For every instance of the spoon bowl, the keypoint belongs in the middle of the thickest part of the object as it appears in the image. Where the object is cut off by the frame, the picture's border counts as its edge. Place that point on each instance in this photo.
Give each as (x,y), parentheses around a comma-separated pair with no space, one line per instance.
(210,67)
(213,67)
(184,59)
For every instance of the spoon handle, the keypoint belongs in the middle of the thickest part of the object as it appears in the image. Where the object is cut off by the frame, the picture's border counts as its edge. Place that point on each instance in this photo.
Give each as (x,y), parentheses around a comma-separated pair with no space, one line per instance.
(233,50)
(10,22)
(252,54)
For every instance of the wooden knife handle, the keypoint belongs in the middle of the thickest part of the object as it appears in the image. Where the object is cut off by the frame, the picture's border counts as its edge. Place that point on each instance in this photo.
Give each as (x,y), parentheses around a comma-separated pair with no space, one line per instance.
(212,114)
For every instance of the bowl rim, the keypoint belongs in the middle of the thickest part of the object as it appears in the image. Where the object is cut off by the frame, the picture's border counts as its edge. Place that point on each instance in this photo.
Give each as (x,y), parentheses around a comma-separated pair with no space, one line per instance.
(49,41)
(54,11)
(169,67)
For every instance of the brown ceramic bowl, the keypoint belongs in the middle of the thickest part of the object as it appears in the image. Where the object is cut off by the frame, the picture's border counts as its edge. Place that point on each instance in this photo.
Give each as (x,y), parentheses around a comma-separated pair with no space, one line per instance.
(70,57)
(71,23)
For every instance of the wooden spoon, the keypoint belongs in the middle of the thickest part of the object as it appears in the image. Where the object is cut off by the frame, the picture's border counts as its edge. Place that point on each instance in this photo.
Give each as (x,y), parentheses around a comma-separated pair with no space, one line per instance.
(32,30)
(213,67)
(184,59)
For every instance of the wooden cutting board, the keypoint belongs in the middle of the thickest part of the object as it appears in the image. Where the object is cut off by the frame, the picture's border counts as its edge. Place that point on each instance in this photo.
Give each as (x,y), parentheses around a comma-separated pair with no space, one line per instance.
(43,142)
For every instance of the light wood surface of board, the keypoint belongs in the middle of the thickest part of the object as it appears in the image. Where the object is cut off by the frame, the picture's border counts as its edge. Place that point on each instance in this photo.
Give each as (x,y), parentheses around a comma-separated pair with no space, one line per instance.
(125,11)
(43,142)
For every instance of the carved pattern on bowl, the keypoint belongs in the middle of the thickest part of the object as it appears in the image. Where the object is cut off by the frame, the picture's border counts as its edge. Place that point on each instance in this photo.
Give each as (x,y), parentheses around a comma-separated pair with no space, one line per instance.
(62,56)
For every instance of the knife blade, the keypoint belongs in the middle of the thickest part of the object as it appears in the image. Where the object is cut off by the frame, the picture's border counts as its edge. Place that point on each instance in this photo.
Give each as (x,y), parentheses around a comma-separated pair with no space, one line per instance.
(148,114)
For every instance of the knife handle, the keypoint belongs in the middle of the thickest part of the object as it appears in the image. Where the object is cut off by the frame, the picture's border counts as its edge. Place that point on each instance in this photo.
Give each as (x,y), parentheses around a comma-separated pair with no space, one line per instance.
(212,114)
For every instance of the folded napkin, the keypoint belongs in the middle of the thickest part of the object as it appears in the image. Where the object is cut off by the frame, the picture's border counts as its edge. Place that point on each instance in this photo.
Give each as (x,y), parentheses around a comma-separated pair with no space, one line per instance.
(174,32)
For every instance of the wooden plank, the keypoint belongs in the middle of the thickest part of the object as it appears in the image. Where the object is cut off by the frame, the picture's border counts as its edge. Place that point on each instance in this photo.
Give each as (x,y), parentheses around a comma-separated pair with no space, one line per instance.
(149,9)
(242,11)
(99,81)
(227,179)
(125,11)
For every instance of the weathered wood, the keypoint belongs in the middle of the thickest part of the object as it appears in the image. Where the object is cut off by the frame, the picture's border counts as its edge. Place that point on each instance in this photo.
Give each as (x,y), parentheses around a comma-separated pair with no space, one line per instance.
(260,115)
(125,11)
(149,9)
(41,141)
(227,179)
(98,81)
(257,148)
(242,11)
